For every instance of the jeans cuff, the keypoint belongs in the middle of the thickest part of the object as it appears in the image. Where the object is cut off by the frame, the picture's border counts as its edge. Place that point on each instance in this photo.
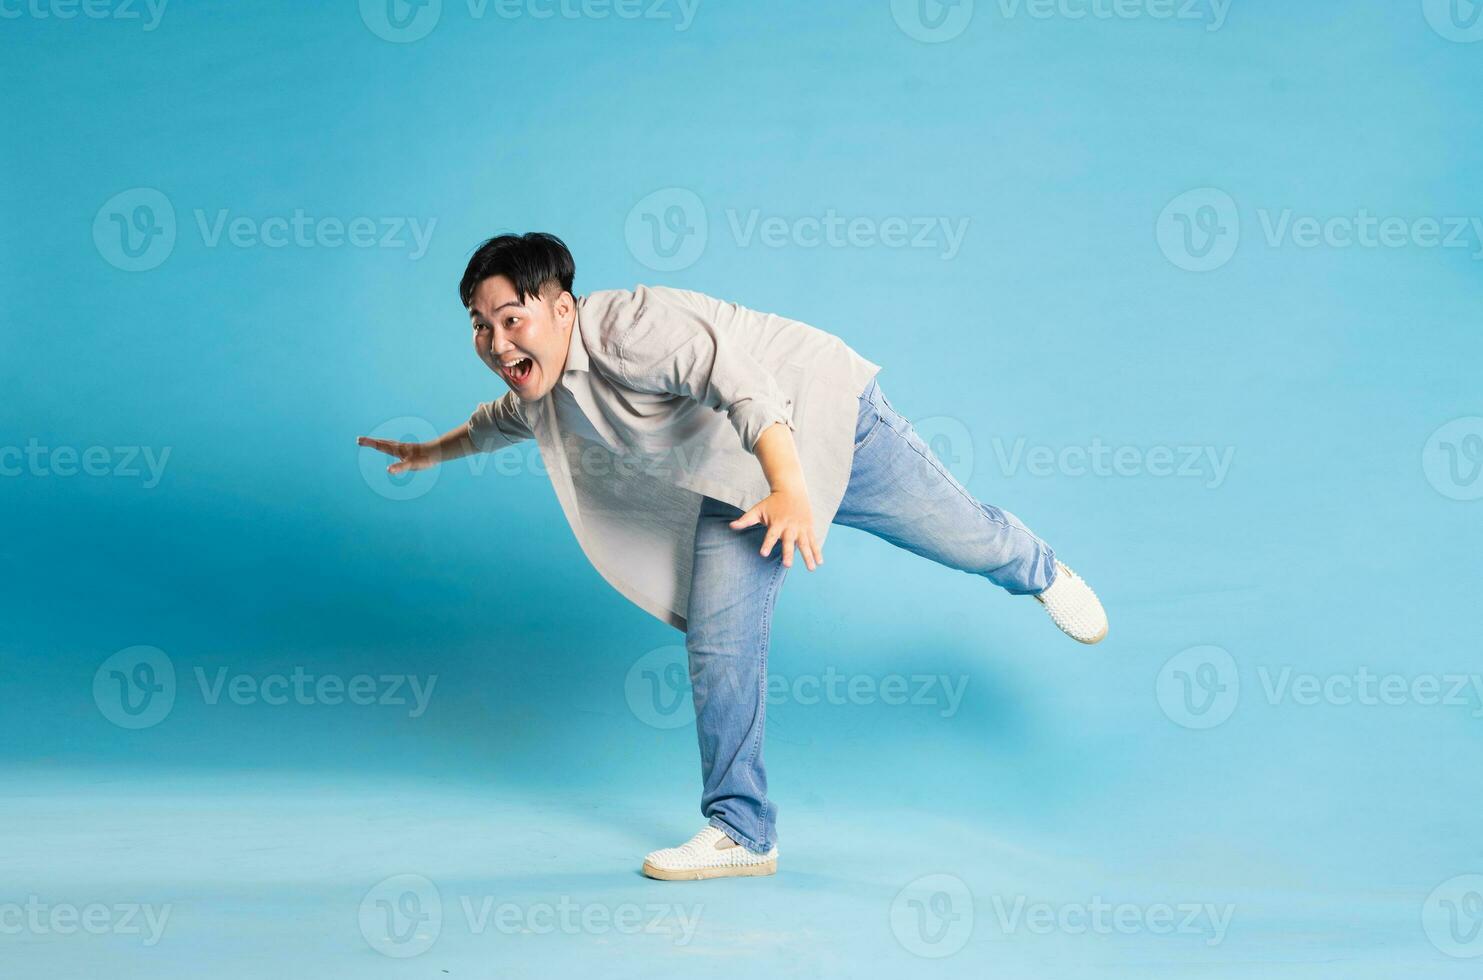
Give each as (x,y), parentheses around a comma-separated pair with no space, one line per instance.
(738,836)
(1049,561)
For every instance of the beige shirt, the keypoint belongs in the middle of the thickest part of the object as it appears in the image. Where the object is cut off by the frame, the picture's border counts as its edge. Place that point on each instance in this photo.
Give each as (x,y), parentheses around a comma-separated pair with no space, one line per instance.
(664,395)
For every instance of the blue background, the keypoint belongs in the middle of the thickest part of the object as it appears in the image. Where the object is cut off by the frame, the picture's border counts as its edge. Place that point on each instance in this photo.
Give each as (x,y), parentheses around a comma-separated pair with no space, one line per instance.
(1336,541)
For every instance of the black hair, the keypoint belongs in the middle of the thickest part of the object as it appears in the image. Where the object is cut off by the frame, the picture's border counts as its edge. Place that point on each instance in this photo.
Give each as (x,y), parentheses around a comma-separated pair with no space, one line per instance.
(529,261)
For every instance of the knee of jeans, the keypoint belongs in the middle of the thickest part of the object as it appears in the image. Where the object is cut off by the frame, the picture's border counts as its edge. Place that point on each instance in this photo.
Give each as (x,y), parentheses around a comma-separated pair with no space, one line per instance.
(700,641)
(712,644)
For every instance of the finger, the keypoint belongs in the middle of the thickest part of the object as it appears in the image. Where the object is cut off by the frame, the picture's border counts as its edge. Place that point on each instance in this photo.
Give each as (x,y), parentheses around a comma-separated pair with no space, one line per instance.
(772,536)
(800,543)
(749,519)
(809,552)
(381,445)
(789,537)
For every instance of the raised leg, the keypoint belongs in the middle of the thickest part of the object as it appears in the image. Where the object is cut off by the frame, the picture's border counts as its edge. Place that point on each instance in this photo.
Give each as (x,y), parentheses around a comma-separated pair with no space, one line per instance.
(901,492)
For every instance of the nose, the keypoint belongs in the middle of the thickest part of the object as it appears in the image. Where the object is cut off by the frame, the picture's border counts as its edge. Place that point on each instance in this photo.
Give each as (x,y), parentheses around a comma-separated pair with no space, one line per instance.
(497,343)
(500,339)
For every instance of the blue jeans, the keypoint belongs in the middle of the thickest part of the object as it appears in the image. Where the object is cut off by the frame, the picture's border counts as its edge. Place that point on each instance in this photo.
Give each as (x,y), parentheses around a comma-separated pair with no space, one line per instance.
(899,491)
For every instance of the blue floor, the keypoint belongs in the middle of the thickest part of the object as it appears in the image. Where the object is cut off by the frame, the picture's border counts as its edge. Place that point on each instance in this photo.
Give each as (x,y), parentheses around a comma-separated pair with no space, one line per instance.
(261,873)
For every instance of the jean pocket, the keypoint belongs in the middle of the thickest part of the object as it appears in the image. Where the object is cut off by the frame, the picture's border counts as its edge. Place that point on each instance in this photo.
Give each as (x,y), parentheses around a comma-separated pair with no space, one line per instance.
(867,425)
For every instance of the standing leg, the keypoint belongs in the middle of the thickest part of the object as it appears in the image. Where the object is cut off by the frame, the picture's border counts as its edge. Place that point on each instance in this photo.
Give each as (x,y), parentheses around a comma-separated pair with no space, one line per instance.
(901,492)
(732,595)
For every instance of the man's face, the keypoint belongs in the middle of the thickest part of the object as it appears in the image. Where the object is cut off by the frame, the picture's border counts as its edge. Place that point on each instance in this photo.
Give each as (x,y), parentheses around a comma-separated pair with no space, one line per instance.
(523,341)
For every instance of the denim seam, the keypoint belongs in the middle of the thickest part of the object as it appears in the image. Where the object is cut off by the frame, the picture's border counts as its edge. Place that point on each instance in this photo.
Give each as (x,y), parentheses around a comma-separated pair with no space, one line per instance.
(774,582)
(869,436)
(953,481)
(874,428)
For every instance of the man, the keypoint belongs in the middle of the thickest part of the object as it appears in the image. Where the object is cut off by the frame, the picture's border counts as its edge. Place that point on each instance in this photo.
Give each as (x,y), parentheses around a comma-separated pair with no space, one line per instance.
(697,448)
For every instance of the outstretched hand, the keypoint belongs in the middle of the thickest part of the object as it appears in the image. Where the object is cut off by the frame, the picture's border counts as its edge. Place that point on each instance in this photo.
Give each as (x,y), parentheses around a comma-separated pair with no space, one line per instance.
(410,455)
(789,519)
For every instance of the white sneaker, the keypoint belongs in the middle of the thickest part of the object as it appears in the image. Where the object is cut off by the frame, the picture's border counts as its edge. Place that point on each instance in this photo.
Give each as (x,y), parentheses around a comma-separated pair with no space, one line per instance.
(709,854)
(1074,607)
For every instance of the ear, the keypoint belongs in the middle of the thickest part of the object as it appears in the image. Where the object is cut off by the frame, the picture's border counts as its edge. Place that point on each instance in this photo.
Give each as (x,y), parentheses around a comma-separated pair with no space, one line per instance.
(565,308)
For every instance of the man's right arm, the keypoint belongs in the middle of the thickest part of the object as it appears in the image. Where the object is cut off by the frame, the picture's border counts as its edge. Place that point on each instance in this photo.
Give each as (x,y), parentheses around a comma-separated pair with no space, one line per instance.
(492,426)
(423,455)
(453,444)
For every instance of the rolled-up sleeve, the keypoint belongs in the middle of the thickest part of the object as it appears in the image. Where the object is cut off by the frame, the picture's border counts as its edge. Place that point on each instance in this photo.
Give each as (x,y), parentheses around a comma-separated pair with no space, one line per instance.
(672,348)
(497,424)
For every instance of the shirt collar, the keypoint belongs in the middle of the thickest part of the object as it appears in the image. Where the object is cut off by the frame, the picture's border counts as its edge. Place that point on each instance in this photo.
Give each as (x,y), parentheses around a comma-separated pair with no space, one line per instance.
(576,351)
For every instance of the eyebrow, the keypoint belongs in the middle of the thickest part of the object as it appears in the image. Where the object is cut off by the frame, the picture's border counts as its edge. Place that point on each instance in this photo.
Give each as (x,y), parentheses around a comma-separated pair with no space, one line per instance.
(479,316)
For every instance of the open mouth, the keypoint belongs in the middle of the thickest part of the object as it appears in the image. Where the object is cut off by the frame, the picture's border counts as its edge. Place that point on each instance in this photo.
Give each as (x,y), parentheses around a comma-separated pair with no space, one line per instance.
(516,372)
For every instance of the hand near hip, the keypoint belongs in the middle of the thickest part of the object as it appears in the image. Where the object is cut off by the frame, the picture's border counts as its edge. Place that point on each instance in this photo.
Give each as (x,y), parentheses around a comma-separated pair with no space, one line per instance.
(789,519)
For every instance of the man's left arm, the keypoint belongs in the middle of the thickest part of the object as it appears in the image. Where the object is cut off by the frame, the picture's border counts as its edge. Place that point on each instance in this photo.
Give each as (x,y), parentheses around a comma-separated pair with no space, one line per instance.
(786,510)
(678,348)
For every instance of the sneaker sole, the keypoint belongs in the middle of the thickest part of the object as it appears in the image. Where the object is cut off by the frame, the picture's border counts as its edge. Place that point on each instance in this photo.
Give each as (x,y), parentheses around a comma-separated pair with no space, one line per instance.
(699,874)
